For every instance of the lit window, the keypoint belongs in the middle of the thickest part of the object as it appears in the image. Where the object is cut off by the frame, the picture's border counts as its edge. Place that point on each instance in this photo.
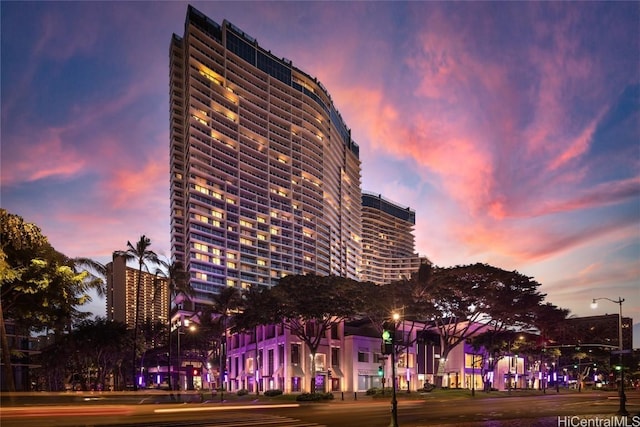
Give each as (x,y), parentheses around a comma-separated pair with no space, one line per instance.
(230,282)
(231,201)
(274,231)
(216,214)
(201,247)
(202,189)
(246,223)
(198,119)
(246,242)
(262,262)
(261,220)
(262,237)
(201,257)
(232,264)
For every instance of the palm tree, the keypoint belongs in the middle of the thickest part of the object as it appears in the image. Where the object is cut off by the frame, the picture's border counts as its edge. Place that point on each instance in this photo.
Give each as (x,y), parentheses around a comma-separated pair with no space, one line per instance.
(97,279)
(225,302)
(178,282)
(143,255)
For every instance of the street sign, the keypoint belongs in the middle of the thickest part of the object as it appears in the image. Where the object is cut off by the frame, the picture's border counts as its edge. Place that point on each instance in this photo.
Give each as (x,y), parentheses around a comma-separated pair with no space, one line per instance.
(628,351)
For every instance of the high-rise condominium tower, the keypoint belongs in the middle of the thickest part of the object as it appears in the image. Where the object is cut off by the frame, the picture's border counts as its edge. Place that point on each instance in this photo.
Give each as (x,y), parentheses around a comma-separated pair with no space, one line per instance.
(152,299)
(265,179)
(387,241)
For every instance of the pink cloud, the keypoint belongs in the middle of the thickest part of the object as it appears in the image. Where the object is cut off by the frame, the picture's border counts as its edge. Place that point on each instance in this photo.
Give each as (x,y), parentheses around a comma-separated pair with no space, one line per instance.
(133,187)
(48,157)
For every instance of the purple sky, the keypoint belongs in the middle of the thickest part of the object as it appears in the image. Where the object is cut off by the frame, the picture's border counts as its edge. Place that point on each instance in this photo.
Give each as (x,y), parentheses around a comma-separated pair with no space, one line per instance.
(512,128)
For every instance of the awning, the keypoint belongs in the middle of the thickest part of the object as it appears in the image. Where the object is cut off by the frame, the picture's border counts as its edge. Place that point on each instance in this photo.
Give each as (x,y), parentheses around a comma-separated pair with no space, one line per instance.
(296,371)
(336,372)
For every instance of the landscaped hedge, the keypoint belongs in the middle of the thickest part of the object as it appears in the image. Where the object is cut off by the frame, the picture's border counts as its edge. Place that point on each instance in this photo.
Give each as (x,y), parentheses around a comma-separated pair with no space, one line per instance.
(314,397)
(375,391)
(272,393)
(242,392)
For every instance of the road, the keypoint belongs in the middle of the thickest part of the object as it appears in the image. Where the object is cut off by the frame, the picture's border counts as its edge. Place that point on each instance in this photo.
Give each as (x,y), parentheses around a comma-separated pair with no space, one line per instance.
(516,411)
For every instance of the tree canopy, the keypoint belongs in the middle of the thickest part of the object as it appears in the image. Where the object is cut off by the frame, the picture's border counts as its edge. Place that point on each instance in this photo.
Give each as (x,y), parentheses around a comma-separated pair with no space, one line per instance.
(38,285)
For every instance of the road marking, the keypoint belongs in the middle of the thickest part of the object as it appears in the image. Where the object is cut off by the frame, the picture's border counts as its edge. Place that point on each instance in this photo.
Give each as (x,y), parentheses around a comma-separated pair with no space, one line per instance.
(223,408)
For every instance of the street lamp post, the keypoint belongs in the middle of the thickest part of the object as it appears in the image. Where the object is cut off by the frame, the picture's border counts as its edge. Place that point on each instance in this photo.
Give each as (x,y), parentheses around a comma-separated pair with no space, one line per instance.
(473,374)
(181,323)
(622,410)
(394,400)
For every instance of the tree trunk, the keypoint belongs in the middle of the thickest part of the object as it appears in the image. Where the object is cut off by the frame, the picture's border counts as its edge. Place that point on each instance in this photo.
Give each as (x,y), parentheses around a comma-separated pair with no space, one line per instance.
(7,370)
(313,372)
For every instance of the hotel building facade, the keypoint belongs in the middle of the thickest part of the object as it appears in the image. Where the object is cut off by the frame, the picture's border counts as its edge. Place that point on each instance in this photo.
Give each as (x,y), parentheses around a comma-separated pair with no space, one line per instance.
(388,242)
(122,282)
(265,178)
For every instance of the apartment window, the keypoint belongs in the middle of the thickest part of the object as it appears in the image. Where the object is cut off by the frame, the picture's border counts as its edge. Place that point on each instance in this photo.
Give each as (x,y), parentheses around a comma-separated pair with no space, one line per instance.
(334,332)
(335,356)
(270,363)
(363,356)
(295,354)
(281,354)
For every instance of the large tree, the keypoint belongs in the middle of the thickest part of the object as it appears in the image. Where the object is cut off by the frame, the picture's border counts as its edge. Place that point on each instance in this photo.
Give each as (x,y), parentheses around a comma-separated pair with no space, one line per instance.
(310,305)
(143,255)
(463,301)
(92,352)
(255,308)
(38,285)
(225,303)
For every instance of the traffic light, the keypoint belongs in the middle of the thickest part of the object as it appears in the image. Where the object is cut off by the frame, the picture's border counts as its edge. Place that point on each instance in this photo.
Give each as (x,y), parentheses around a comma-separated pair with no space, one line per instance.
(618,368)
(387,342)
(380,371)
(329,373)
(196,372)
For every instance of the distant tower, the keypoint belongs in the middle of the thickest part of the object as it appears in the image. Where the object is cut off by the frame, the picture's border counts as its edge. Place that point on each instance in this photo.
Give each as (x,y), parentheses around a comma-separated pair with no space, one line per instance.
(265,178)
(121,294)
(387,241)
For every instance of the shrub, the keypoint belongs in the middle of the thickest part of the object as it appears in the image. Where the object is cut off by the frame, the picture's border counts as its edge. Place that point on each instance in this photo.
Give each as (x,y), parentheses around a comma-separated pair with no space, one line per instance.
(372,391)
(242,392)
(380,392)
(314,397)
(272,393)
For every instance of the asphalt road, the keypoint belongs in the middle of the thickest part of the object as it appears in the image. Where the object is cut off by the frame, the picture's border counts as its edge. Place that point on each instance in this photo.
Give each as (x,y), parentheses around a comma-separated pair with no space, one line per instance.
(516,411)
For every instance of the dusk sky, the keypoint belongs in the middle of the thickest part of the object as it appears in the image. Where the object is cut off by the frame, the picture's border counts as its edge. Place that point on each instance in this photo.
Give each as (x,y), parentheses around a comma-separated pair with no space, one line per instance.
(511,128)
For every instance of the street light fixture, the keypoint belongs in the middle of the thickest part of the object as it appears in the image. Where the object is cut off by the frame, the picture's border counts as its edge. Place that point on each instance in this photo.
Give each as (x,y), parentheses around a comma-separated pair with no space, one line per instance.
(180,324)
(622,410)
(394,400)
